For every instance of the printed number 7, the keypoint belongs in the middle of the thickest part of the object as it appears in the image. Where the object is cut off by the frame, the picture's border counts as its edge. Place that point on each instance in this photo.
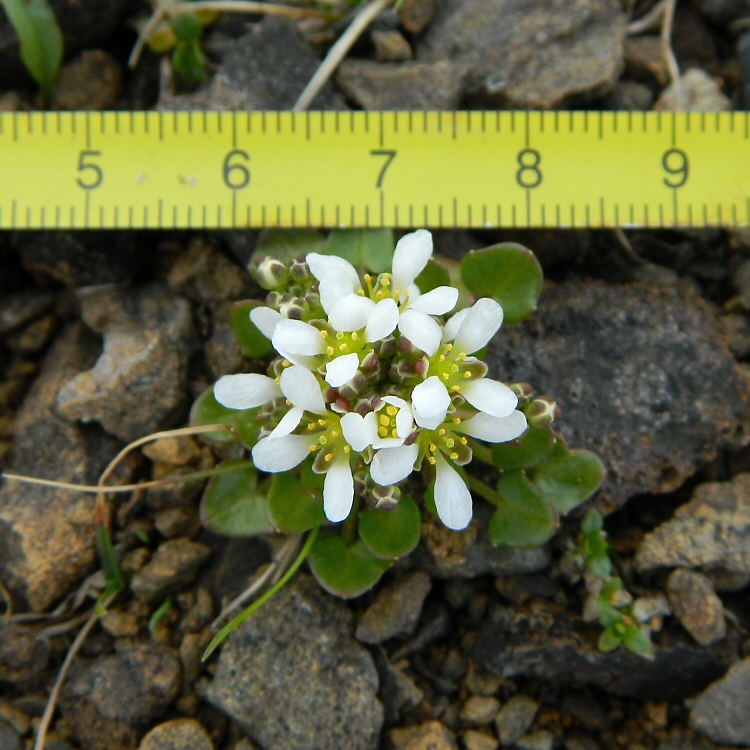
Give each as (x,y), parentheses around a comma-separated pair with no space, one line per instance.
(389,157)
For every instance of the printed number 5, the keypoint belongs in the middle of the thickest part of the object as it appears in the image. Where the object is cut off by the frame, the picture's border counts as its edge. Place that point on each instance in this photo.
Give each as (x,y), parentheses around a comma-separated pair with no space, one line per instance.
(389,157)
(93,172)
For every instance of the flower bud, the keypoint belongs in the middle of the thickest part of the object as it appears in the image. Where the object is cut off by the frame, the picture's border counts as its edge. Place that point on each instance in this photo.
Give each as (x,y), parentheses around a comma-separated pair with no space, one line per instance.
(523,391)
(541,412)
(299,270)
(271,273)
(385,498)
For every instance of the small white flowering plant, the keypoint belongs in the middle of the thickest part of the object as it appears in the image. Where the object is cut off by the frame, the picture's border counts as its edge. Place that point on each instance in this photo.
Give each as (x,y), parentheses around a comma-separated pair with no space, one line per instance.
(372,401)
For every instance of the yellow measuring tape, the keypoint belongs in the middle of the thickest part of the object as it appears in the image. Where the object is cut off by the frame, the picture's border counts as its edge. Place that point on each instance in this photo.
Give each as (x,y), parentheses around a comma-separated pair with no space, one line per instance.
(371,169)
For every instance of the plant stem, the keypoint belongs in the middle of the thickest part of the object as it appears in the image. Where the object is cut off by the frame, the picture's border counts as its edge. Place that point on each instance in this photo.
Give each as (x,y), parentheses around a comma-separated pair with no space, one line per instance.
(481,452)
(482,489)
(349,529)
(261,600)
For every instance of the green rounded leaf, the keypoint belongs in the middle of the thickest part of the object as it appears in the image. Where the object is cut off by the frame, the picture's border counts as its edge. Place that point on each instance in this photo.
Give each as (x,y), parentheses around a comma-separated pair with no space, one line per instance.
(532,448)
(637,641)
(344,571)
(608,641)
(287,244)
(600,566)
(186,27)
(509,273)
(524,517)
(207,410)
(433,276)
(394,533)
(233,504)
(293,509)
(571,478)
(592,522)
(368,250)
(252,342)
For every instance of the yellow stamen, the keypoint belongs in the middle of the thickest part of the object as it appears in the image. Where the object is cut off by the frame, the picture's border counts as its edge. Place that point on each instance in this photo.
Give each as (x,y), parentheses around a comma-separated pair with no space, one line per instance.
(311,426)
(382,432)
(334,433)
(454,456)
(324,334)
(322,422)
(441,358)
(328,456)
(286,363)
(330,351)
(433,447)
(467,374)
(454,368)
(446,376)
(454,389)
(288,402)
(322,439)
(441,431)
(355,336)
(464,441)
(384,419)
(392,410)
(361,292)
(432,460)
(347,449)
(367,278)
(339,336)
(456,420)
(343,347)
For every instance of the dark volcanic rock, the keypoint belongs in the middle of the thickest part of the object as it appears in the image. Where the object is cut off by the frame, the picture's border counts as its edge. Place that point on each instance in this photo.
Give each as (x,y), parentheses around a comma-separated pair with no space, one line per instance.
(530,55)
(722,712)
(295,679)
(546,643)
(110,701)
(47,535)
(642,373)
(138,385)
(266,69)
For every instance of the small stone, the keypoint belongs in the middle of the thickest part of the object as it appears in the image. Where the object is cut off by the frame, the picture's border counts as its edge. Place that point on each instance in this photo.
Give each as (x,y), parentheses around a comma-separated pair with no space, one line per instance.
(378,86)
(432,735)
(12,715)
(390,46)
(416,15)
(515,718)
(711,531)
(644,60)
(395,610)
(176,451)
(722,712)
(110,700)
(695,91)
(480,682)
(521,55)
(480,709)
(629,96)
(696,605)
(543,740)
(474,740)
(138,384)
(120,624)
(174,565)
(300,655)
(454,665)
(738,328)
(181,521)
(23,656)
(9,739)
(178,734)
(581,742)
(90,81)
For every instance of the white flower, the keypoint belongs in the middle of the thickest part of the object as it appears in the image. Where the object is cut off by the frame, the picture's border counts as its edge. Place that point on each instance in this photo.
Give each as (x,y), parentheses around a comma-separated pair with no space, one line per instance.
(395,301)
(452,496)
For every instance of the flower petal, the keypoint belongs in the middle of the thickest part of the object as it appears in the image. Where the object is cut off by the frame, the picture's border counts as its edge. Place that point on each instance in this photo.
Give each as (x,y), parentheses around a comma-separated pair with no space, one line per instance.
(391,465)
(322,265)
(351,313)
(479,325)
(490,396)
(382,321)
(338,490)
(245,390)
(421,330)
(302,388)
(297,337)
(430,398)
(341,370)
(410,257)
(280,454)
(288,423)
(494,429)
(452,496)
(265,319)
(359,431)
(435,302)
(450,329)
(404,418)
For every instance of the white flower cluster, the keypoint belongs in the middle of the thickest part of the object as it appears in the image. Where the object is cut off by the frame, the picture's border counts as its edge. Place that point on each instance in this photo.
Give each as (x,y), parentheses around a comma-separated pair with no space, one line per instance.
(381,383)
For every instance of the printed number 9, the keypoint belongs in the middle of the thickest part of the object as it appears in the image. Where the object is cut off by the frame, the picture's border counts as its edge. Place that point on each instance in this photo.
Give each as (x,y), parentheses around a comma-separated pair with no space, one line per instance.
(675,163)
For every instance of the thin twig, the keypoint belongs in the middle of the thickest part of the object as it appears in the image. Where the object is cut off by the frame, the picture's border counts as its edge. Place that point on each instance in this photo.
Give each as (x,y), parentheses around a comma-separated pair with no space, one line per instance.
(271,574)
(649,21)
(75,647)
(145,34)
(624,243)
(666,41)
(338,52)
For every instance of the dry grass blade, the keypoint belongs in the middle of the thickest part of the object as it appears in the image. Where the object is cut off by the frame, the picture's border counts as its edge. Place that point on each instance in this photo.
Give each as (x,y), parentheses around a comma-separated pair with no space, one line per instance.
(338,52)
